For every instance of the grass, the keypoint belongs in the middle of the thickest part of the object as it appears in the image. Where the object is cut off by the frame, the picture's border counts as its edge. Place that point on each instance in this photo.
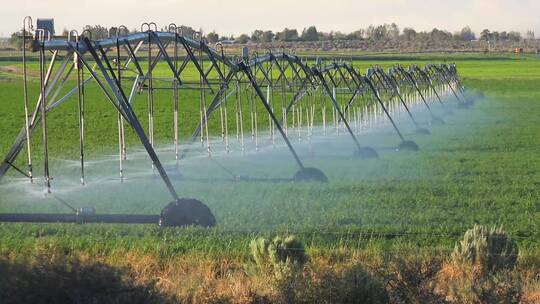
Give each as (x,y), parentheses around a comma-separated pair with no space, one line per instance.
(478,168)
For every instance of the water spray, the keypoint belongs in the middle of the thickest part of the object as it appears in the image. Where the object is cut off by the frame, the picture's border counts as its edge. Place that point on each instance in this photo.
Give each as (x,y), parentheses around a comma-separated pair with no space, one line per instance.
(434,119)
(392,83)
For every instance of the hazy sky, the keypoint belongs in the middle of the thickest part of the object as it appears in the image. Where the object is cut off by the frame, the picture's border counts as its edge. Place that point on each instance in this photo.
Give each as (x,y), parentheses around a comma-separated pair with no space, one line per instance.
(239,16)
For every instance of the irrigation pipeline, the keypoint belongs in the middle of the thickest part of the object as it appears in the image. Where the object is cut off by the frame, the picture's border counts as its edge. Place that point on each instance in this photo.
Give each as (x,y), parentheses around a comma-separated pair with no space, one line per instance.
(123,66)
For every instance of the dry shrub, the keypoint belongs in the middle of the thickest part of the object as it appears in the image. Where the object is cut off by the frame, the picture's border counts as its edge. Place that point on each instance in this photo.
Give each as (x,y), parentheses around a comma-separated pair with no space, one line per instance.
(283,260)
(53,277)
(529,271)
(411,278)
(531,295)
(142,268)
(470,284)
(282,252)
(324,281)
(531,287)
(489,248)
(330,278)
(192,279)
(481,269)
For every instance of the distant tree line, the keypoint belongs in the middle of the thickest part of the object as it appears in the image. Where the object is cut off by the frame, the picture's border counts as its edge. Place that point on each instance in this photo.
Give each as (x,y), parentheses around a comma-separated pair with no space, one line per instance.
(373,33)
(382,32)
(487,35)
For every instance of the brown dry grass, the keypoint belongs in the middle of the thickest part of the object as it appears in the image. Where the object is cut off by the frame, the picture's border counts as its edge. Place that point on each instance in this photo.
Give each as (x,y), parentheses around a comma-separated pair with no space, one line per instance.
(461,283)
(531,286)
(339,276)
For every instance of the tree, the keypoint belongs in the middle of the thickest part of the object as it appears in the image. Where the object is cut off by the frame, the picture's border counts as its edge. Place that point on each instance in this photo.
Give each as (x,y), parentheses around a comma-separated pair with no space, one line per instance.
(242,39)
(256,36)
(287,35)
(111,32)
(530,35)
(187,31)
(409,34)
(485,35)
(379,33)
(392,31)
(330,36)
(339,36)
(310,34)
(97,31)
(467,34)
(514,36)
(356,35)
(212,37)
(267,36)
(16,40)
(369,31)
(326,36)
(440,35)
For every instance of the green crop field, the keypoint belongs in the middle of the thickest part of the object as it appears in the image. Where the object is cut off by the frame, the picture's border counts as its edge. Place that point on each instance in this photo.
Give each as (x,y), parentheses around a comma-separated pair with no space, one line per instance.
(480,167)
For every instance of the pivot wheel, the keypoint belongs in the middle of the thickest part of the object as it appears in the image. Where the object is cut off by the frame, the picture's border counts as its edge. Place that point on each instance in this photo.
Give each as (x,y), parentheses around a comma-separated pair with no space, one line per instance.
(186,212)
(310,175)
(437,121)
(408,145)
(422,131)
(366,152)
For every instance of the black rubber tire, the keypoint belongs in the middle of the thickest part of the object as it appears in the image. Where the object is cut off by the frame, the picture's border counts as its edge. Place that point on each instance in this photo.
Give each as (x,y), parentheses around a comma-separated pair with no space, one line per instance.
(423,131)
(366,153)
(186,212)
(437,121)
(310,175)
(408,145)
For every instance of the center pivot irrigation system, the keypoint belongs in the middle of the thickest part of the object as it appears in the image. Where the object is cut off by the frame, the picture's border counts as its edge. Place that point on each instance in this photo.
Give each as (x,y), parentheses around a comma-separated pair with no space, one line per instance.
(296,93)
